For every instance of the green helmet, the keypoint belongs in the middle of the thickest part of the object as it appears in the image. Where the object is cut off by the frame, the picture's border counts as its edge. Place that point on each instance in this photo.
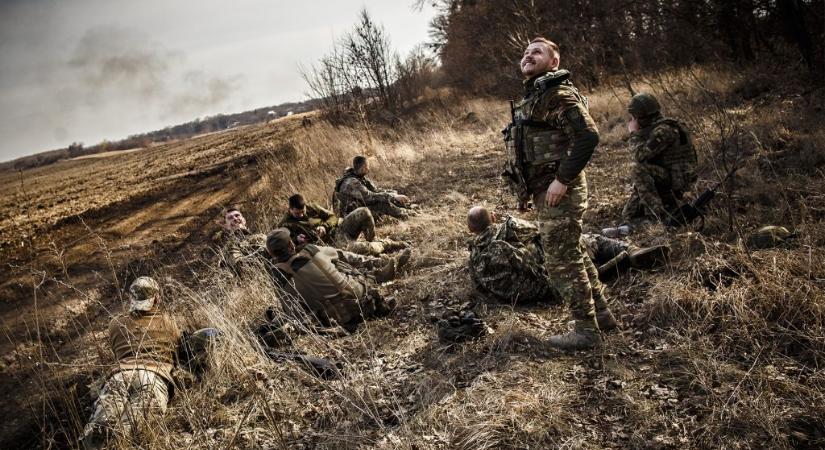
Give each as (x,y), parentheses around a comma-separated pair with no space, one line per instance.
(643,105)
(769,236)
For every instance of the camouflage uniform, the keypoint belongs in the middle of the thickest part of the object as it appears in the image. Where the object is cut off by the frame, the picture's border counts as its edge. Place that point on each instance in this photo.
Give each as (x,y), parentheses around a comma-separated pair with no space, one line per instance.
(557,137)
(664,162)
(144,344)
(601,249)
(506,262)
(341,233)
(243,249)
(353,191)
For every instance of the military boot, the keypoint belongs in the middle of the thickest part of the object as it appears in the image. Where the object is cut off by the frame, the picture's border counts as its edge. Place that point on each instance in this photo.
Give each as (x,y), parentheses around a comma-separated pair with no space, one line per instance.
(390,269)
(606,320)
(649,257)
(393,246)
(583,336)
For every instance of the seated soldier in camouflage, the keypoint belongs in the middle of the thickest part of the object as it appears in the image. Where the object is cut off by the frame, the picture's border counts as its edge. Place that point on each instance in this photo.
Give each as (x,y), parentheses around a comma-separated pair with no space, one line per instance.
(242,248)
(664,160)
(354,190)
(506,261)
(331,286)
(144,341)
(312,224)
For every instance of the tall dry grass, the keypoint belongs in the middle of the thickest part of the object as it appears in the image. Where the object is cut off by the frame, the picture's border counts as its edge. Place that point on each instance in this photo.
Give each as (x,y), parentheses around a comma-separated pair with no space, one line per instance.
(721,349)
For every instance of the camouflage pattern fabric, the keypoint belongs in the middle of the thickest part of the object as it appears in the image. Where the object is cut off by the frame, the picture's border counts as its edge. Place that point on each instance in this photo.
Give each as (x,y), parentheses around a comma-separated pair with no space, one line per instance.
(572,274)
(665,167)
(359,221)
(243,249)
(126,402)
(506,263)
(602,249)
(314,217)
(354,191)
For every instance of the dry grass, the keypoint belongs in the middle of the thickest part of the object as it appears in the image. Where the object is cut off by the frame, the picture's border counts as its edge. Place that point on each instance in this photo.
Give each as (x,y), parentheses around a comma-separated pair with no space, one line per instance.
(721,349)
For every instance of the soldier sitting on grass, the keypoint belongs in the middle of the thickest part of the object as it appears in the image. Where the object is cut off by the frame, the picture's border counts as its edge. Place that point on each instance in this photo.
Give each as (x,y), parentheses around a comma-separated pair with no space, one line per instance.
(664,161)
(311,224)
(242,249)
(507,261)
(354,190)
(331,286)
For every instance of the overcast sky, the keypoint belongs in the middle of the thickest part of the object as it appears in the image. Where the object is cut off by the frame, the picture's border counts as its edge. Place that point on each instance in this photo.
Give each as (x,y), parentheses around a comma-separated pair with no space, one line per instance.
(88,70)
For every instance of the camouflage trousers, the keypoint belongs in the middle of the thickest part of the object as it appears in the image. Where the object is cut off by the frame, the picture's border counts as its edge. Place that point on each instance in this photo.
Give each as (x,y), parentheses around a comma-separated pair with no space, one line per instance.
(387,209)
(602,249)
(653,193)
(128,400)
(360,221)
(571,273)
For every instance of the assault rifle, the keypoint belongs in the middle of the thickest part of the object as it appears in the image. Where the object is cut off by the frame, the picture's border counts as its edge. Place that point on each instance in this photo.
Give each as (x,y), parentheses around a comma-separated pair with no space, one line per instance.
(689,212)
(514,170)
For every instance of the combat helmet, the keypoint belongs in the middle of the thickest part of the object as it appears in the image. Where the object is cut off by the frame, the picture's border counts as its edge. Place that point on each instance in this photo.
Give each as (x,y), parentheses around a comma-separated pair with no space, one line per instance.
(769,236)
(144,293)
(198,346)
(643,105)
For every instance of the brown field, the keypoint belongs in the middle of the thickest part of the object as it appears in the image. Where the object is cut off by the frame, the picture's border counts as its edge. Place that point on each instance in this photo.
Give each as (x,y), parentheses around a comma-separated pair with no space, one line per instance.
(722,349)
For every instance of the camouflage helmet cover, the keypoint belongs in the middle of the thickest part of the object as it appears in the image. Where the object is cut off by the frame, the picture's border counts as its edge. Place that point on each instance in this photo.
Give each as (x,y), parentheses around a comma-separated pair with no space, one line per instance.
(144,292)
(643,105)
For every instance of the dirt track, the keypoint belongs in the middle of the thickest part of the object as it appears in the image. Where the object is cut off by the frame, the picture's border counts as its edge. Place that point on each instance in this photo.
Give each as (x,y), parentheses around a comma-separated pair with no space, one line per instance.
(93,222)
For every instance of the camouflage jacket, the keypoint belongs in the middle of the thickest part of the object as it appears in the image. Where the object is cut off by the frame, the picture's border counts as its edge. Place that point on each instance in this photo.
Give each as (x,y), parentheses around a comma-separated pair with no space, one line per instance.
(666,143)
(243,248)
(315,217)
(353,191)
(552,101)
(506,262)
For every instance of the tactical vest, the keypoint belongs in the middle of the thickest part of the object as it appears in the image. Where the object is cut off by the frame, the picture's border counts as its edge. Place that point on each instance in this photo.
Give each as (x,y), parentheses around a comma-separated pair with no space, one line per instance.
(541,142)
(683,154)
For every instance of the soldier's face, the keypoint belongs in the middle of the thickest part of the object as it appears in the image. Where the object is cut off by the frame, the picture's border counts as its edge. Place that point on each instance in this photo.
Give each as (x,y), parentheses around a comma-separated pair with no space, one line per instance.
(537,59)
(234,221)
(298,213)
(365,169)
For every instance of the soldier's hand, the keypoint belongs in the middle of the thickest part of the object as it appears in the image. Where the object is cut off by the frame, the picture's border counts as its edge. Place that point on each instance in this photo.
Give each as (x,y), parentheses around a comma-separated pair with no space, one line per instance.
(403,199)
(302,238)
(320,231)
(555,193)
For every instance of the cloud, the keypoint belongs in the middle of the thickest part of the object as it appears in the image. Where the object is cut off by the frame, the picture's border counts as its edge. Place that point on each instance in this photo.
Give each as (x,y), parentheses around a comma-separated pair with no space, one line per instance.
(111,57)
(203,91)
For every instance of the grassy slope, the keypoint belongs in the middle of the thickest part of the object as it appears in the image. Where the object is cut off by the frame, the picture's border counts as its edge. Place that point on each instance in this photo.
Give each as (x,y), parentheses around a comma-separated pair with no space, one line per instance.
(721,349)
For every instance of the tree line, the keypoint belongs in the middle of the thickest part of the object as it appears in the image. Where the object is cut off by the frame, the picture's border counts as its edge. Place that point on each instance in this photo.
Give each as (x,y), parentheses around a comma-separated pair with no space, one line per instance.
(480,41)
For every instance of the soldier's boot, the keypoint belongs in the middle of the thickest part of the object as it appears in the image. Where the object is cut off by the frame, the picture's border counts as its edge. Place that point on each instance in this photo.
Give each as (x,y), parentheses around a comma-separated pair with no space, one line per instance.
(606,320)
(390,269)
(386,272)
(648,257)
(583,336)
(392,246)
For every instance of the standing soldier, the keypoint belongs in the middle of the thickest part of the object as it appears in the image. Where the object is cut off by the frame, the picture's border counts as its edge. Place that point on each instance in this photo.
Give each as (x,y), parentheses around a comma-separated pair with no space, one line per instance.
(664,160)
(549,142)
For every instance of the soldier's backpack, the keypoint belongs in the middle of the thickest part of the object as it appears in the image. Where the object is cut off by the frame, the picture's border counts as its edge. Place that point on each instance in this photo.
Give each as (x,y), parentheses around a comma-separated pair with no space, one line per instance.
(683,159)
